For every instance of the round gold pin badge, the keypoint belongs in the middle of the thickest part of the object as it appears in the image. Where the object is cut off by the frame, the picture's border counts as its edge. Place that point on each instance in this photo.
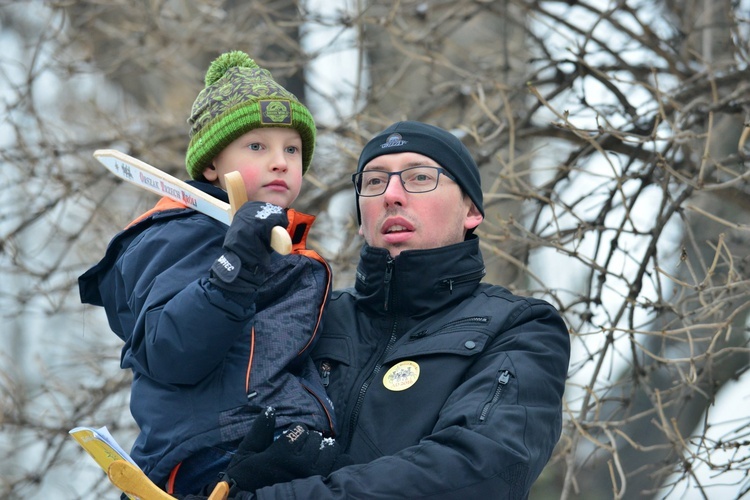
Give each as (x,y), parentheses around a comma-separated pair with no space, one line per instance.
(401,376)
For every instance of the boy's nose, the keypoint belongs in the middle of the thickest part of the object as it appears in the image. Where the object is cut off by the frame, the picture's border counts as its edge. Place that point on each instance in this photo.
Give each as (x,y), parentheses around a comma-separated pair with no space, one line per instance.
(279,162)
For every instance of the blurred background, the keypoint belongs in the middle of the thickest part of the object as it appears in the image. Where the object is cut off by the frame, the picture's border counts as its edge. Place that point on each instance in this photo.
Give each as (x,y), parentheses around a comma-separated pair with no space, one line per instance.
(611,137)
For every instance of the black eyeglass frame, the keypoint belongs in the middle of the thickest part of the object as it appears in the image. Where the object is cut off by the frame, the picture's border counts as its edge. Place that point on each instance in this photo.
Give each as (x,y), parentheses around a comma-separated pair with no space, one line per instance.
(357,179)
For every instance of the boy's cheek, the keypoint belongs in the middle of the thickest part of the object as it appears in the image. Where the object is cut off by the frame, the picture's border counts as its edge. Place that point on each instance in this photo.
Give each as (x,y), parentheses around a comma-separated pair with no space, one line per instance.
(251,178)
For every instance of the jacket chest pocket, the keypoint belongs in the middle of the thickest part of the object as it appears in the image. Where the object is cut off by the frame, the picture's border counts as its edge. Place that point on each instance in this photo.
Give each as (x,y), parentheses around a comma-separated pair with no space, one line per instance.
(466,337)
(425,369)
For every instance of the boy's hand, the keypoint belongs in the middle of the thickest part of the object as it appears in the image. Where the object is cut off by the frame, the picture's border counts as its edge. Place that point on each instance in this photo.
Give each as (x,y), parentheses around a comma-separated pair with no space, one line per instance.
(247,247)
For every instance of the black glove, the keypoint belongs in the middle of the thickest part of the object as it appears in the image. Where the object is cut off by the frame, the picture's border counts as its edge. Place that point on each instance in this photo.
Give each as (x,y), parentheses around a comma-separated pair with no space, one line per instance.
(247,247)
(297,453)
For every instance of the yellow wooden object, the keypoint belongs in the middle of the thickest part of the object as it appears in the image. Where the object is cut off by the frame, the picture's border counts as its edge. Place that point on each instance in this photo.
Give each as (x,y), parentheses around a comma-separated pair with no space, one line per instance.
(134,482)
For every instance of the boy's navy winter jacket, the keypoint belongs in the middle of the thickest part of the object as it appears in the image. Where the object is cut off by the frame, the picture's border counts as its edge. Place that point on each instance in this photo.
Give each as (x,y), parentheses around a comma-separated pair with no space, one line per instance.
(444,387)
(204,362)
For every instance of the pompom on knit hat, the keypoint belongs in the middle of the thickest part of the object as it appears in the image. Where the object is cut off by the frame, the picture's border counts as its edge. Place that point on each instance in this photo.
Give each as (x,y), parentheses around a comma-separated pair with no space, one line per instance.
(240,96)
(434,142)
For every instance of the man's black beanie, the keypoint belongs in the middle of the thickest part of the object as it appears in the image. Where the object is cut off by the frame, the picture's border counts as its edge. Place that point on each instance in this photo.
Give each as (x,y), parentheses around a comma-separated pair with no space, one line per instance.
(434,142)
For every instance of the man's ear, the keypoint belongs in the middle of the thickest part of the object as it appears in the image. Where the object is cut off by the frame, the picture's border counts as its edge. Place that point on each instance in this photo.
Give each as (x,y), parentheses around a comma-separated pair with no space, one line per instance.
(473,218)
(211,174)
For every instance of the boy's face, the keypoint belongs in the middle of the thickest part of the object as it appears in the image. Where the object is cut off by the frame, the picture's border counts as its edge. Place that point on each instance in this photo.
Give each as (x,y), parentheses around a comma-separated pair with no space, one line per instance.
(270,161)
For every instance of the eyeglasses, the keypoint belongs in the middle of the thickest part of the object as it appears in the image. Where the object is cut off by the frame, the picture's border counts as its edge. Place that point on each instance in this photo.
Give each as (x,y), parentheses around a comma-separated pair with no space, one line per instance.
(414,180)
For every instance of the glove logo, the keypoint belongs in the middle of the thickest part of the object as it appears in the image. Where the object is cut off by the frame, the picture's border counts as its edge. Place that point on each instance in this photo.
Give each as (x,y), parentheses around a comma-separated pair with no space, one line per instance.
(227,267)
(401,376)
(268,210)
(294,433)
(224,262)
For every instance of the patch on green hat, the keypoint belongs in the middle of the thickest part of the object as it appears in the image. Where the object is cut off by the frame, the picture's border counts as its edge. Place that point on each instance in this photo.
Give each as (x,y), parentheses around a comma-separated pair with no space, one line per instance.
(275,112)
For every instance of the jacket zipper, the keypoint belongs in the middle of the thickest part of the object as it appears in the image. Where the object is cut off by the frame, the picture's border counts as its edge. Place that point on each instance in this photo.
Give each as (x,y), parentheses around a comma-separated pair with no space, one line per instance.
(325,373)
(463,324)
(502,381)
(325,409)
(451,282)
(387,282)
(366,384)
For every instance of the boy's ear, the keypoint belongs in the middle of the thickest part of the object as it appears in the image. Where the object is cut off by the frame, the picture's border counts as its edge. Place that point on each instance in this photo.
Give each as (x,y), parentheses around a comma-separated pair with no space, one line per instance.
(210,173)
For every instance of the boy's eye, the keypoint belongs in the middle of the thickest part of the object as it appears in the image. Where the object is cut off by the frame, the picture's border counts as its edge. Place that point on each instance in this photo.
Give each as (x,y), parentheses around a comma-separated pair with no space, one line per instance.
(292,149)
(254,146)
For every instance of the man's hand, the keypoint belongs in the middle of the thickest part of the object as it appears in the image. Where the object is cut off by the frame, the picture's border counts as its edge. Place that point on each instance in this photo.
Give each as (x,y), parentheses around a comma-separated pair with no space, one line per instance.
(297,453)
(247,247)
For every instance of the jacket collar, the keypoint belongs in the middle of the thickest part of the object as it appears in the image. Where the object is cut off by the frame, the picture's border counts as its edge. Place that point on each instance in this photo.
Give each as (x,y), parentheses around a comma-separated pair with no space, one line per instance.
(417,282)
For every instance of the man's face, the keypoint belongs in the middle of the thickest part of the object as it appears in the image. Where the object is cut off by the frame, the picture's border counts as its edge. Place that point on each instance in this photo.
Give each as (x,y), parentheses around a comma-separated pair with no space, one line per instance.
(398,221)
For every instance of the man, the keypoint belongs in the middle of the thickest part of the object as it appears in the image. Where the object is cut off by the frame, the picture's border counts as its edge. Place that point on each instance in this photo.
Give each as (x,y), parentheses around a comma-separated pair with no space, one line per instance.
(443,387)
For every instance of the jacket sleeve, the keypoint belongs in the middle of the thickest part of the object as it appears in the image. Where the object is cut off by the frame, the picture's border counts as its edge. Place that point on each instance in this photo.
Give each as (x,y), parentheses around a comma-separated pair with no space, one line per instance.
(481,446)
(181,327)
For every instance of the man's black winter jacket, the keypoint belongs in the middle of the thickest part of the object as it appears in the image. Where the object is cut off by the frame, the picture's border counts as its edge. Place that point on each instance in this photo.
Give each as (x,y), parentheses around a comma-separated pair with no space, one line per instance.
(444,387)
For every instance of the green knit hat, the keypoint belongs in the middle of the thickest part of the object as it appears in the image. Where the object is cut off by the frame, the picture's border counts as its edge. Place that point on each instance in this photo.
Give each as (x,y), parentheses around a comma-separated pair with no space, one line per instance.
(240,96)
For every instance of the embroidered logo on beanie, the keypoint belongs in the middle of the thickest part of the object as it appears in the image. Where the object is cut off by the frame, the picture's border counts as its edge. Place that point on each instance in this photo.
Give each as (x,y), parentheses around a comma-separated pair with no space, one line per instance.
(275,112)
(394,140)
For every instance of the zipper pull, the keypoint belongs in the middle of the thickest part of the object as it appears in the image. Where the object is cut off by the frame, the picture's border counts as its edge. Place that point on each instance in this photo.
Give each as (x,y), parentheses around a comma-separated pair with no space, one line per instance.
(325,373)
(502,381)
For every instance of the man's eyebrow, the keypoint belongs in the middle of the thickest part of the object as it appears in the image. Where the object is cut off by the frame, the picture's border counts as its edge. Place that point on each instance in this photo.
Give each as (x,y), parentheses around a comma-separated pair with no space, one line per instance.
(422,163)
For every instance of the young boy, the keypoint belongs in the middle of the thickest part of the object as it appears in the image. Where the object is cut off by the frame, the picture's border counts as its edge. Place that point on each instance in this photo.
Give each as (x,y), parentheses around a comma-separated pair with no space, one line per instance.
(216,325)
